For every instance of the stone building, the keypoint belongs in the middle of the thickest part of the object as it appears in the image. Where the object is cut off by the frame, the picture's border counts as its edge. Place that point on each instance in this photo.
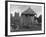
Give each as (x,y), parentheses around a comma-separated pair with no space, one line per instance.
(28,17)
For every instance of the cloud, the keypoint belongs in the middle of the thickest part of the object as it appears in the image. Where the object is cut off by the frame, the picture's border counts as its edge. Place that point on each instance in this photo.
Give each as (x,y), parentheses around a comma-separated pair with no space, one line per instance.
(21,8)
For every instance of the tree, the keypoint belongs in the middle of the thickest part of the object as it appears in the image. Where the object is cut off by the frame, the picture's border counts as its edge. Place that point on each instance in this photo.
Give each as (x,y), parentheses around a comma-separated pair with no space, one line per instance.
(40,19)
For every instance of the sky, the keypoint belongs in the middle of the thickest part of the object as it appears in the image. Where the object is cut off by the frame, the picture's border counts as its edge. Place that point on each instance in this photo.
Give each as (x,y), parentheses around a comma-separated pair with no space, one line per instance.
(21,8)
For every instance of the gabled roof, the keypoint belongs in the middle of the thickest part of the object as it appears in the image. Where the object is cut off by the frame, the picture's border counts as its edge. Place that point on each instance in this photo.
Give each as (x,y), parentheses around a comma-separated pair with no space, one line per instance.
(29,11)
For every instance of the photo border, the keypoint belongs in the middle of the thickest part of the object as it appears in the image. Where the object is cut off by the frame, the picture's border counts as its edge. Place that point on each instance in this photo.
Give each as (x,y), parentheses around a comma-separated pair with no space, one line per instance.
(6,18)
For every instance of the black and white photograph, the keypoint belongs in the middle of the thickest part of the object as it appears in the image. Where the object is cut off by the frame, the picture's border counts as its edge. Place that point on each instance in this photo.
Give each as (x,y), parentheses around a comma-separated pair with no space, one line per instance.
(25,18)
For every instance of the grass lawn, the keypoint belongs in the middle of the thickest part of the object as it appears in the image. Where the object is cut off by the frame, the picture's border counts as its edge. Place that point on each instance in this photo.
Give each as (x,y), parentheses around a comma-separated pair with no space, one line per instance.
(33,27)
